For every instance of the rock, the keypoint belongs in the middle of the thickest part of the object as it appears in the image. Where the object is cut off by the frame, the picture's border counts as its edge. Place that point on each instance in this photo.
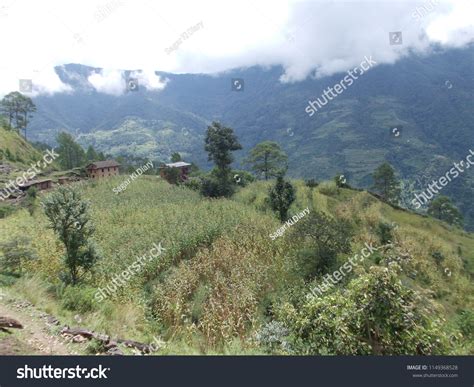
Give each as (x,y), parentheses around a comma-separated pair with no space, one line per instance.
(78,339)
(7,322)
(115,351)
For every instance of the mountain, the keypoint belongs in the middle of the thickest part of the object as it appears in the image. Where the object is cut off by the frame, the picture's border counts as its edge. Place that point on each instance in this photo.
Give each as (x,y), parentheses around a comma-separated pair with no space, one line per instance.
(429,99)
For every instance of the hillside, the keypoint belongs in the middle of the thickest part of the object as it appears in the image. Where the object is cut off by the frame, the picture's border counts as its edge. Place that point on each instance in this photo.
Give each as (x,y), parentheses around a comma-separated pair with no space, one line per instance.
(429,99)
(220,275)
(15,150)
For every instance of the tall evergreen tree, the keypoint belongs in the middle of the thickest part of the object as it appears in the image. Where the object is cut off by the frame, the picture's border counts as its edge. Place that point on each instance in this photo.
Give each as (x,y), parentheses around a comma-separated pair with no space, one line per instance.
(386,183)
(281,196)
(267,158)
(18,109)
(443,209)
(71,154)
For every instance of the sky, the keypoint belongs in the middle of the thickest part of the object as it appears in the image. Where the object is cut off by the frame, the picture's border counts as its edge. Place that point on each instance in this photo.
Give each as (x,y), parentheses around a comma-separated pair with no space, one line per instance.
(308,38)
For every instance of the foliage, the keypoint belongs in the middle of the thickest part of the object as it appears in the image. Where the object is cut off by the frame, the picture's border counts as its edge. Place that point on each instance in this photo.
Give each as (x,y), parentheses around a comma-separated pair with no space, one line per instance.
(281,195)
(69,217)
(15,253)
(267,159)
(91,154)
(466,323)
(220,141)
(384,232)
(443,209)
(18,109)
(323,238)
(79,298)
(175,157)
(171,175)
(273,337)
(375,315)
(71,154)
(386,183)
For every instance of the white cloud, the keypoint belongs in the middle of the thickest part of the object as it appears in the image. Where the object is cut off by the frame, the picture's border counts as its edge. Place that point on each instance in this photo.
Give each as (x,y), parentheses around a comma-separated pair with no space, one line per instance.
(306,37)
(108,81)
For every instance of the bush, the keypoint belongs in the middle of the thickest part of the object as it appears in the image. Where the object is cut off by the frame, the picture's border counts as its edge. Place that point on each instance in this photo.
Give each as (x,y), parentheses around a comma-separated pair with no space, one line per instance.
(328,188)
(384,232)
(214,188)
(6,210)
(273,337)
(311,183)
(79,298)
(466,323)
(376,314)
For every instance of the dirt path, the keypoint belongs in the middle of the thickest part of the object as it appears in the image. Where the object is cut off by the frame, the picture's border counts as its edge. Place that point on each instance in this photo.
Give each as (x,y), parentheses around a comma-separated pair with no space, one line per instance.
(39,335)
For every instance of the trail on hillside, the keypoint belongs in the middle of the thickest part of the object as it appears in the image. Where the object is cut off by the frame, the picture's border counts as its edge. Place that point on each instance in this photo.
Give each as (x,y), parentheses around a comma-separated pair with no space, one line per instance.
(36,337)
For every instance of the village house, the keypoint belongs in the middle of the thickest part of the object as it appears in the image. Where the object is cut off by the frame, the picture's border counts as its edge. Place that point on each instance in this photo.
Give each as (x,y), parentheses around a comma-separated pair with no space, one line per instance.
(101,169)
(180,165)
(38,184)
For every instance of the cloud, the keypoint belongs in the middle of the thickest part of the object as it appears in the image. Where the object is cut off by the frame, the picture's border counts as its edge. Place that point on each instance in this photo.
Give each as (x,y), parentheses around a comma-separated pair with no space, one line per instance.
(108,81)
(113,82)
(308,38)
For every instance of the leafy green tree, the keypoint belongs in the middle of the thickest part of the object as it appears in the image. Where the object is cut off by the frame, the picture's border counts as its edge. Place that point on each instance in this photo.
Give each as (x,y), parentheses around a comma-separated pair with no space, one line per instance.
(175,157)
(281,196)
(386,183)
(91,154)
(15,253)
(443,209)
(71,154)
(69,217)
(18,109)
(322,239)
(376,314)
(267,158)
(219,143)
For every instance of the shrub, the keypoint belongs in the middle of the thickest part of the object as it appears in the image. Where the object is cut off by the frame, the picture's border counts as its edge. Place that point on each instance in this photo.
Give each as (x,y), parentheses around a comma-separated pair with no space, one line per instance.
(311,183)
(328,188)
(466,323)
(79,298)
(384,232)
(273,337)
(5,210)
(376,314)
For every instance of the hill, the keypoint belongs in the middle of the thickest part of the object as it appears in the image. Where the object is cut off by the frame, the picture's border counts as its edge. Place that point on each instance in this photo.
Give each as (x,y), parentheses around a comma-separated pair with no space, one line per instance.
(220,275)
(427,98)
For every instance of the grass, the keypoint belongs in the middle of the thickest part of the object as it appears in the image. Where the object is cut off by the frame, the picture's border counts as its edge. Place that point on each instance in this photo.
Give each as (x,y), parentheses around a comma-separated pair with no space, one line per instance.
(208,292)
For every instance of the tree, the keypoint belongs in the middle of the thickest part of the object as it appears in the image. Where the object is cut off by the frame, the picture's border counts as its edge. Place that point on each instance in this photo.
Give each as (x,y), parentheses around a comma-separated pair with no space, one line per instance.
(18,109)
(376,314)
(443,209)
(91,154)
(15,253)
(71,154)
(219,143)
(325,238)
(175,157)
(267,158)
(69,217)
(281,196)
(386,183)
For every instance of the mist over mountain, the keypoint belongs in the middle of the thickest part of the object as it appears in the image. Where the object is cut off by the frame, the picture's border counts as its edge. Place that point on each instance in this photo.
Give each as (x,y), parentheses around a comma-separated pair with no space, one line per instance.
(429,99)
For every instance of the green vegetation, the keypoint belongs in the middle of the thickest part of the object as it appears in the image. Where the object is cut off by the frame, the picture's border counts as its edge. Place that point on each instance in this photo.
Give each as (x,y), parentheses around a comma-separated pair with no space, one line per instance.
(386,183)
(69,218)
(18,109)
(223,286)
(443,209)
(281,196)
(267,159)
